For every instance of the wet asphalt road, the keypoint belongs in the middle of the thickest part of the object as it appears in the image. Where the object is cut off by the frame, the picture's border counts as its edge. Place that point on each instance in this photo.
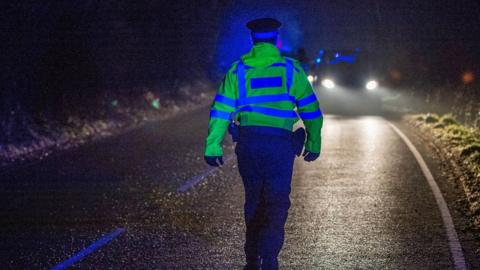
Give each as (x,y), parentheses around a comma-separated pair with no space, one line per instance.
(364,205)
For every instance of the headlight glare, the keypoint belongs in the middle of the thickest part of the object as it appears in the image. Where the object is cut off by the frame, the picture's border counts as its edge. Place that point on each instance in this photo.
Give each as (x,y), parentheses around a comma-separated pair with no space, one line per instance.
(328,83)
(371,85)
(310,78)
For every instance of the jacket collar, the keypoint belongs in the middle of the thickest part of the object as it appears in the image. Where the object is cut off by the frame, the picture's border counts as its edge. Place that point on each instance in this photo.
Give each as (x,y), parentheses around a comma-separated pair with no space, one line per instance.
(261,54)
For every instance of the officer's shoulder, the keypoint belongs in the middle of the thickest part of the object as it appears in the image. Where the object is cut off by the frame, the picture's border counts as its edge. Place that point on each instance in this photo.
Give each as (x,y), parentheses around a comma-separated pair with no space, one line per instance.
(295,62)
(233,67)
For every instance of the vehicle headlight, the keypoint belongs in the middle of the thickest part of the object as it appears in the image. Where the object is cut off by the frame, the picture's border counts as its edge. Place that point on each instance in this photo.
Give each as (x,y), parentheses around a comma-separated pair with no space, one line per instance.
(311,79)
(328,83)
(371,85)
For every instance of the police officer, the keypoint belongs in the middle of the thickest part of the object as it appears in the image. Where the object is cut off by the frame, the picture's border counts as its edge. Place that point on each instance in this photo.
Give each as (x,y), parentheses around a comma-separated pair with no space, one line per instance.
(260,92)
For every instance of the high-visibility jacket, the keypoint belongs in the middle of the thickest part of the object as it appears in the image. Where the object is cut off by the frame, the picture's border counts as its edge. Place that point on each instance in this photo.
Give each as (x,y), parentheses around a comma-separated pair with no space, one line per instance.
(263,89)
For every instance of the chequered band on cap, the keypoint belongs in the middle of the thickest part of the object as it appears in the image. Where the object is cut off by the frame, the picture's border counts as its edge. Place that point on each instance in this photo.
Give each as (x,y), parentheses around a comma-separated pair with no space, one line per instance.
(265,35)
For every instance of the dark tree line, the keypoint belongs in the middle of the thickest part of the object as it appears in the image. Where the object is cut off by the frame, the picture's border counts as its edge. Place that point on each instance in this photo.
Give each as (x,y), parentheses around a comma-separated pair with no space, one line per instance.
(68,57)
(64,57)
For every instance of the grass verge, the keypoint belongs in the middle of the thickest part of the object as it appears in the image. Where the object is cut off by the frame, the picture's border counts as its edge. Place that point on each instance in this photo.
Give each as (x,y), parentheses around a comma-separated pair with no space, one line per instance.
(122,116)
(461,144)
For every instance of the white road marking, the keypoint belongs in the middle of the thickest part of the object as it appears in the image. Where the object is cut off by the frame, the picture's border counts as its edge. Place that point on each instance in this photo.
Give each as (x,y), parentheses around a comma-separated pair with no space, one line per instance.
(190,183)
(453,242)
(90,249)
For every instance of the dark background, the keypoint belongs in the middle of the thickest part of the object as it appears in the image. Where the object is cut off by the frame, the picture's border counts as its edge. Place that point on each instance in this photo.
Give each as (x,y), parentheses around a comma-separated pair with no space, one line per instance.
(72,51)
(66,57)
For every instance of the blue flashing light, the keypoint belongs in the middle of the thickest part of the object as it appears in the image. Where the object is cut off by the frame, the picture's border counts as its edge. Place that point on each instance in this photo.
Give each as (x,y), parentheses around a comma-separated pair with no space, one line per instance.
(343,58)
(286,48)
(234,39)
(320,56)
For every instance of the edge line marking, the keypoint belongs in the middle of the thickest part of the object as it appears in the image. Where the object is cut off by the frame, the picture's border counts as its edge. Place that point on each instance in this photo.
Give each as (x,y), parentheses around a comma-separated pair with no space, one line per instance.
(86,251)
(191,182)
(453,242)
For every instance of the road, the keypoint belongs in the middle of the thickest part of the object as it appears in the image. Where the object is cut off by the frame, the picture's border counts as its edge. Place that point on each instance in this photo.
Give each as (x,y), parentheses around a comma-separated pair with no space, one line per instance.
(364,205)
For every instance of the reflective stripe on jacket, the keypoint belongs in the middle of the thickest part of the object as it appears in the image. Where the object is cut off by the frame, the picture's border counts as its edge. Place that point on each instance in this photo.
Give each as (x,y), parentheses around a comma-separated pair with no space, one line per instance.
(263,89)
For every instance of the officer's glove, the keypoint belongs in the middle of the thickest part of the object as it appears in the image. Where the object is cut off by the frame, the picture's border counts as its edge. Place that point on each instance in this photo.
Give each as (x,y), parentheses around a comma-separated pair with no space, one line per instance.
(309,156)
(214,160)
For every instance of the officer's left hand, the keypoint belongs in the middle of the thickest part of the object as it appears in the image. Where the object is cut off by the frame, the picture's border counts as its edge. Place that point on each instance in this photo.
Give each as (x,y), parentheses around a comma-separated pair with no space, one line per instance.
(309,156)
(214,160)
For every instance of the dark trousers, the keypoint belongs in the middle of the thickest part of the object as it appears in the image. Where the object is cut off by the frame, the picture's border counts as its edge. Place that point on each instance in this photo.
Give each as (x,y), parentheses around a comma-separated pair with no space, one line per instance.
(265,161)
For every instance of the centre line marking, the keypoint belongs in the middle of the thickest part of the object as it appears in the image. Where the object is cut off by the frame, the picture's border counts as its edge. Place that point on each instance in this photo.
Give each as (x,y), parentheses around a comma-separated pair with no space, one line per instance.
(453,242)
(96,245)
(190,183)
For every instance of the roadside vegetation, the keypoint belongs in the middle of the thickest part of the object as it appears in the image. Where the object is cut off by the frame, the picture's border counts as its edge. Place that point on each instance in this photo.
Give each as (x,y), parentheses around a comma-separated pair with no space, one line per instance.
(111,116)
(73,71)
(461,144)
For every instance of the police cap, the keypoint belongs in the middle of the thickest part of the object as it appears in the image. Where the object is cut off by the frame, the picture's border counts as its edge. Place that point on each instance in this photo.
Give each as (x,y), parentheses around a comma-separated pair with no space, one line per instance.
(264,25)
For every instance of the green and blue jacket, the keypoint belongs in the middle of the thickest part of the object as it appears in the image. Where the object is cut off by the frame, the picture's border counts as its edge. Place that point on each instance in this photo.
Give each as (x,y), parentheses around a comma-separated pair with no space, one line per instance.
(264,89)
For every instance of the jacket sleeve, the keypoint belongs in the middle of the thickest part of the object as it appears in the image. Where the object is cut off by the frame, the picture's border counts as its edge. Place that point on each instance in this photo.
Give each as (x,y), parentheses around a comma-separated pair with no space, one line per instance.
(308,109)
(222,107)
